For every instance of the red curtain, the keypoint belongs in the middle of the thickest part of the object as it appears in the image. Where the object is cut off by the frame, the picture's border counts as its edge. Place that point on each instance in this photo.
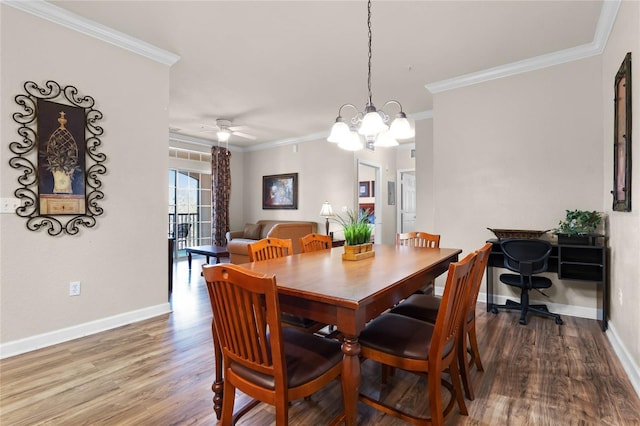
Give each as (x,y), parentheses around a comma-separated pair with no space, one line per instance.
(220,192)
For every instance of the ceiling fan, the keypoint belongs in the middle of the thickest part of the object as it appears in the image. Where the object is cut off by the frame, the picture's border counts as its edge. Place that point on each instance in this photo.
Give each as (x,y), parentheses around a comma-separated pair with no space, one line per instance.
(224,130)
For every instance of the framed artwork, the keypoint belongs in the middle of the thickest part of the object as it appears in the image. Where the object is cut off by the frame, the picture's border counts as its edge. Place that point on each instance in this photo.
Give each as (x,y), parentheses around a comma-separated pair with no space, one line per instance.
(280,191)
(622,138)
(363,189)
(373,188)
(59,158)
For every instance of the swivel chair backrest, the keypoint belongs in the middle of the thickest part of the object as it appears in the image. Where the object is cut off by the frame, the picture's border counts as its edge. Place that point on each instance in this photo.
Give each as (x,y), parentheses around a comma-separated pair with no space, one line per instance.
(526,256)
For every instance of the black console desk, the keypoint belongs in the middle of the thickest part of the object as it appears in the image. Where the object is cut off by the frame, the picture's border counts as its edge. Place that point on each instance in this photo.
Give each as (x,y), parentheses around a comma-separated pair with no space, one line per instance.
(570,262)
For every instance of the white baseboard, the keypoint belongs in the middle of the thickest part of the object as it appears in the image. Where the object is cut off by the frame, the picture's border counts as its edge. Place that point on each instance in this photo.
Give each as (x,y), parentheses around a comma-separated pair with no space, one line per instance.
(28,344)
(558,308)
(631,368)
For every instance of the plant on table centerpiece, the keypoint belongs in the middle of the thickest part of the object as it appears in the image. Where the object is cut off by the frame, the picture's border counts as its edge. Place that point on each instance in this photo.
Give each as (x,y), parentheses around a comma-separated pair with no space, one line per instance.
(355,226)
(579,222)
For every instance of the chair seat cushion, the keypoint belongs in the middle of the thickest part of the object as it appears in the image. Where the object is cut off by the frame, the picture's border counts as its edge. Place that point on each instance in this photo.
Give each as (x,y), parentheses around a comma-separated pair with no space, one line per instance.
(400,336)
(307,357)
(536,281)
(419,306)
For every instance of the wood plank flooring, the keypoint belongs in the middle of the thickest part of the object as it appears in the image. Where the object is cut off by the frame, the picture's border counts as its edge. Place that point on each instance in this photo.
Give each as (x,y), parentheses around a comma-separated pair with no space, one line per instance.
(159,372)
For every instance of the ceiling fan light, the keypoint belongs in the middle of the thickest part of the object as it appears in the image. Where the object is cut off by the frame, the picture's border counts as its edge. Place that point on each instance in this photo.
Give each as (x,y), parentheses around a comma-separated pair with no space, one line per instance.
(353,143)
(400,127)
(385,139)
(339,131)
(372,122)
(223,135)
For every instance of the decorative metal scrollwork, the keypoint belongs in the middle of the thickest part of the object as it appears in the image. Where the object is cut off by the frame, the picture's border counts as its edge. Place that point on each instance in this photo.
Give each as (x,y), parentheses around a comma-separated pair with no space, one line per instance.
(59,158)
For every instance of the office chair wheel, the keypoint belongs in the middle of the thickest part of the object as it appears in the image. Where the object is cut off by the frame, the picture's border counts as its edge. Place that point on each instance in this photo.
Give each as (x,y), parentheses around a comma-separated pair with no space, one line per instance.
(494,310)
(523,321)
(559,321)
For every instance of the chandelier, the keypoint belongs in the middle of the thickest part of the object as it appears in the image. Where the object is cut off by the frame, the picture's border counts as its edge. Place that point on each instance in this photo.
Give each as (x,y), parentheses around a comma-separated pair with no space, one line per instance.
(372,123)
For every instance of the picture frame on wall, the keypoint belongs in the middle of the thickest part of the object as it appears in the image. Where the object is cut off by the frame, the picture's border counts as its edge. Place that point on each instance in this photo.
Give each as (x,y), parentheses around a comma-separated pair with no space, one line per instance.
(622,138)
(280,191)
(363,189)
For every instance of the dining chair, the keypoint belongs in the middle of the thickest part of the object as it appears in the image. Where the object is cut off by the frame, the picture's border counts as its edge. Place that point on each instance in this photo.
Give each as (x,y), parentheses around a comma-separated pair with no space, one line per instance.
(420,239)
(314,242)
(423,348)
(425,307)
(274,248)
(269,248)
(262,359)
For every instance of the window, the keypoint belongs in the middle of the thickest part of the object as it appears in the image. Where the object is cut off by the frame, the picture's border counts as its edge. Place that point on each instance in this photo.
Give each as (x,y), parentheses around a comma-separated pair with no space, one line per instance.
(189,207)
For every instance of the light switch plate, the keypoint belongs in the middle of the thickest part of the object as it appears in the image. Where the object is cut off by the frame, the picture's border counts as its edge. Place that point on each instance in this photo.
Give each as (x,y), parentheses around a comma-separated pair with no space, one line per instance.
(9,205)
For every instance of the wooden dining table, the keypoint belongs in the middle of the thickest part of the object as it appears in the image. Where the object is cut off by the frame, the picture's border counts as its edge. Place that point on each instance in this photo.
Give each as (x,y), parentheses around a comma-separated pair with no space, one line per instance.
(348,294)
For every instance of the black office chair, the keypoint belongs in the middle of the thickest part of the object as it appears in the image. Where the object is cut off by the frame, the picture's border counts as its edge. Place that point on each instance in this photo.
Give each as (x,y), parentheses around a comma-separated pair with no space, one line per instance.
(527,257)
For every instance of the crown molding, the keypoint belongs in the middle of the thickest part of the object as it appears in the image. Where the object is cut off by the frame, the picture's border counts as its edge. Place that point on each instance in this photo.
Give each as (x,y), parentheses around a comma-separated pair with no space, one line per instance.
(606,20)
(60,16)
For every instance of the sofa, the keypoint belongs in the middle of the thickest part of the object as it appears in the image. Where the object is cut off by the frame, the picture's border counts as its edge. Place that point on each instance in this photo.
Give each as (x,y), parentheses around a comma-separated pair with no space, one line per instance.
(237,241)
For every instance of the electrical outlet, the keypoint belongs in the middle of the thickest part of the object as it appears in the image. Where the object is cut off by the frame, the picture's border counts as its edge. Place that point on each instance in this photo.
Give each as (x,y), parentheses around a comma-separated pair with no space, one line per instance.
(74,288)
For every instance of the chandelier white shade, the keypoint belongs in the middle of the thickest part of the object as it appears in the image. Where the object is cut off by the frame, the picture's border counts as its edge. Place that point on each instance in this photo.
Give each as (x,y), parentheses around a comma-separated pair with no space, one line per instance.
(372,124)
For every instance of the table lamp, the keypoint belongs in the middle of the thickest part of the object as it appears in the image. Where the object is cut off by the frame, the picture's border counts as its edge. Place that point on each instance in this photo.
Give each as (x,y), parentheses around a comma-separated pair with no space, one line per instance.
(326,211)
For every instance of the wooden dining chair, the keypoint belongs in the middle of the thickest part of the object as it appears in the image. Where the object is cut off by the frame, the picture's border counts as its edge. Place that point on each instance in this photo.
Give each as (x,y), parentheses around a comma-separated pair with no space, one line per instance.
(425,307)
(314,242)
(420,239)
(262,359)
(423,348)
(269,248)
(274,248)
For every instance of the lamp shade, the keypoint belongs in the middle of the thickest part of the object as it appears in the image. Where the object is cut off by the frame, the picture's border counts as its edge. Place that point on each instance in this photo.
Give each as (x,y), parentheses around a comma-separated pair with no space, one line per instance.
(339,132)
(326,210)
(385,139)
(353,143)
(372,123)
(401,128)
(223,135)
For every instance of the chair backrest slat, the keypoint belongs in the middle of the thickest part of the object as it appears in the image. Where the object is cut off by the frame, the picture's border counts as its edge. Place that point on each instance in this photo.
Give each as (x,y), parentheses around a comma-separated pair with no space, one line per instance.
(482,258)
(418,239)
(452,306)
(246,318)
(270,248)
(315,242)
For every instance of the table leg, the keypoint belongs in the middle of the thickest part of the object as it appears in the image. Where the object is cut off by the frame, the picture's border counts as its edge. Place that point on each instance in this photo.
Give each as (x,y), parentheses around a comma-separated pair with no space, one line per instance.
(208,259)
(218,384)
(189,259)
(351,378)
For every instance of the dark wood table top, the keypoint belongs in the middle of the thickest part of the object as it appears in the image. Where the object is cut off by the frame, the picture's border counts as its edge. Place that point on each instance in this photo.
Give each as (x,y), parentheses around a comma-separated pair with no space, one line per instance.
(207,249)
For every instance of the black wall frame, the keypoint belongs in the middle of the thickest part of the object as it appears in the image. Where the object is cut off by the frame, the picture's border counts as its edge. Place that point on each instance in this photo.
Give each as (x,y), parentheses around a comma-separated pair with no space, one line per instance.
(35,159)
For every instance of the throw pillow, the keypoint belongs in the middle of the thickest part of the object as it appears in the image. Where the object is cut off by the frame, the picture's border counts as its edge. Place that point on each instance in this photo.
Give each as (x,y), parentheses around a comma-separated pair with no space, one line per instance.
(252,231)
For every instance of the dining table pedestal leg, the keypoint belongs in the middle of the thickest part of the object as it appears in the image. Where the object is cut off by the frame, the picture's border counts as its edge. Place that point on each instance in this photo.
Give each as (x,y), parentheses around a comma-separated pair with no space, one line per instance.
(351,378)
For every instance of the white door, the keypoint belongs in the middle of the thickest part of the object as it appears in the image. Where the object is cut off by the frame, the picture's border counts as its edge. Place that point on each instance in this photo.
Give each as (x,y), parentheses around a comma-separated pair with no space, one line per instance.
(407,201)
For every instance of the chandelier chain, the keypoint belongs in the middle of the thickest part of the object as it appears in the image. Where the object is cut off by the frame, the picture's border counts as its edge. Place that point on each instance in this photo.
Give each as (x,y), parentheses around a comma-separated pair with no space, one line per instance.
(369,65)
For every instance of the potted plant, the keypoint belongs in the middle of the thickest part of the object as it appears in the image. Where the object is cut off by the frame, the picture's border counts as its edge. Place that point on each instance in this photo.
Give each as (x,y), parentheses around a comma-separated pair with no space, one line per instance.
(357,234)
(578,227)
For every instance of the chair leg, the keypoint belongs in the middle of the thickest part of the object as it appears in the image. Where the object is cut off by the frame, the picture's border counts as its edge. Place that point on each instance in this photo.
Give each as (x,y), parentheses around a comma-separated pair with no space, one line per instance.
(464,367)
(455,381)
(227,403)
(435,397)
(473,340)
(282,411)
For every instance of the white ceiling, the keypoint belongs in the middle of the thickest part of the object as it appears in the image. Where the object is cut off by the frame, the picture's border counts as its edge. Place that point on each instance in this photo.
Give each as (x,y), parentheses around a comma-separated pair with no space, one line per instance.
(283,68)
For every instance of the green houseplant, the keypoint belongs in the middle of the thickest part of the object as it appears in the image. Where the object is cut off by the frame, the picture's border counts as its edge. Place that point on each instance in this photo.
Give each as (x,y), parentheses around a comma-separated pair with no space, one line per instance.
(355,226)
(578,226)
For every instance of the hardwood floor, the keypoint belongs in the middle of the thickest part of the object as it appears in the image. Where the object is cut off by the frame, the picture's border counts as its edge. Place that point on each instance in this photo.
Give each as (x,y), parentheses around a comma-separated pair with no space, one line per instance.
(159,372)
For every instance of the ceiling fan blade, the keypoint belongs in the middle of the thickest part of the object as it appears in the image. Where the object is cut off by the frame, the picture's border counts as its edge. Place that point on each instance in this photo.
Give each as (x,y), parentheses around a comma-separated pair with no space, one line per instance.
(244,135)
(237,128)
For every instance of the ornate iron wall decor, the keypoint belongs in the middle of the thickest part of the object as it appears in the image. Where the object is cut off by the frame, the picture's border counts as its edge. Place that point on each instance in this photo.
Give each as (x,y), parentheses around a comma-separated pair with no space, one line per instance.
(59,158)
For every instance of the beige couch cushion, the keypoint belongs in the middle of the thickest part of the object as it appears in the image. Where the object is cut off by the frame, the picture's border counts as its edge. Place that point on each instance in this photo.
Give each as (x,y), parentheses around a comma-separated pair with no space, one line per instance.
(252,231)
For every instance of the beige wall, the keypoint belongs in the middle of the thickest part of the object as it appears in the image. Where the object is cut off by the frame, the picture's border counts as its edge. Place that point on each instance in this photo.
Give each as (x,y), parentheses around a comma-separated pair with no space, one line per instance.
(121,262)
(516,153)
(624,228)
